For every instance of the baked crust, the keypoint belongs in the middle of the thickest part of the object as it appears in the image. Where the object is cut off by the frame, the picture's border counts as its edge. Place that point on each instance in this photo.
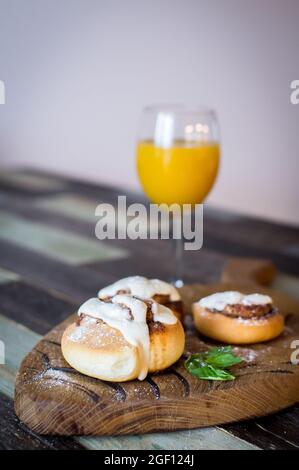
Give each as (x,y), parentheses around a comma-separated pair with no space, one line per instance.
(246,328)
(96,349)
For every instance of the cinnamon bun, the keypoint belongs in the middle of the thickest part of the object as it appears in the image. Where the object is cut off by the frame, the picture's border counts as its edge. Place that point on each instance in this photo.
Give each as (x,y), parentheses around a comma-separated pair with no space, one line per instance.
(123,337)
(232,317)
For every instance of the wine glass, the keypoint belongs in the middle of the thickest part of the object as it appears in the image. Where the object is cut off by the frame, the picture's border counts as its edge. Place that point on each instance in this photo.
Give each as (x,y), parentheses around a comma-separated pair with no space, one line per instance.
(178,156)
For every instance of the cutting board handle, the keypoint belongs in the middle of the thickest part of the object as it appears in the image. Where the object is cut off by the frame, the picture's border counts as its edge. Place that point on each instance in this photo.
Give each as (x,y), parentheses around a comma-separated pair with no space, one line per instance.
(249,271)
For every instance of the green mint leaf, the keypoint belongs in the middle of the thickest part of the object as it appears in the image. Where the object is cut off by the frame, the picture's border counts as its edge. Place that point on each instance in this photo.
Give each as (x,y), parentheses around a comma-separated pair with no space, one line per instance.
(224,361)
(211,365)
(208,372)
(222,357)
(219,350)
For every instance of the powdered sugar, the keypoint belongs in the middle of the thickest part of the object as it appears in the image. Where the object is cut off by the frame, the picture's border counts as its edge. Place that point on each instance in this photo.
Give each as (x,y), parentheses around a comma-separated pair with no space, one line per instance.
(248,355)
(253,321)
(80,332)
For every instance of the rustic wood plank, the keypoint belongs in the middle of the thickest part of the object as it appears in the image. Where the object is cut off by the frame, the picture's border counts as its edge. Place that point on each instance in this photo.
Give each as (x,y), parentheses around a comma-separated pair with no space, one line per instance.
(204,266)
(14,435)
(18,340)
(220,229)
(76,282)
(282,425)
(77,207)
(7,276)
(80,225)
(214,241)
(57,244)
(275,432)
(26,184)
(195,439)
(240,229)
(35,308)
(82,282)
(271,239)
(284,262)
(103,191)
(7,380)
(230,226)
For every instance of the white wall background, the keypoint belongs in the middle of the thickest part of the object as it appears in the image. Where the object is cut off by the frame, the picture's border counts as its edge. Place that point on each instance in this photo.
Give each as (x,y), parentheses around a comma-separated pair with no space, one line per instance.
(78,72)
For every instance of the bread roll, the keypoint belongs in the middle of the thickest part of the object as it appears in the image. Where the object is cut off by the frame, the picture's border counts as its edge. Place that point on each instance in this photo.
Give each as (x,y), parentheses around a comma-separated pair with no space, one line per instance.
(123,338)
(234,318)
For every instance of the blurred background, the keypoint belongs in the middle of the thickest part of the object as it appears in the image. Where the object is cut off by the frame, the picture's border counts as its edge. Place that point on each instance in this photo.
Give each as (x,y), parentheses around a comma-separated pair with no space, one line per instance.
(77,74)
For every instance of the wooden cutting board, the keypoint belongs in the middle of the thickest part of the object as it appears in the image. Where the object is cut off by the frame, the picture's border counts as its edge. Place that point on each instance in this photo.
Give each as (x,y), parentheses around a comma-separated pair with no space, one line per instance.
(53,398)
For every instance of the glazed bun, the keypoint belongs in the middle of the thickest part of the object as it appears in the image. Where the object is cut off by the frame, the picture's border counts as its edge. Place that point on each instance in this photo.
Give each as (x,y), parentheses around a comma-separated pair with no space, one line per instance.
(123,338)
(155,289)
(231,317)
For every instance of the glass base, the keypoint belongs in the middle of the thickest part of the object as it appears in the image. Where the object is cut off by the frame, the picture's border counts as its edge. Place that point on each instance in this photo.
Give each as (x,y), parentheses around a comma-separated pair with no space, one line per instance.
(176,282)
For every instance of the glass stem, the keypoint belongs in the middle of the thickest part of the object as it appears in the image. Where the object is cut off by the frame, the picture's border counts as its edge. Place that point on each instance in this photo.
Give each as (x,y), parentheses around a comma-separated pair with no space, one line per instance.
(178,250)
(179,265)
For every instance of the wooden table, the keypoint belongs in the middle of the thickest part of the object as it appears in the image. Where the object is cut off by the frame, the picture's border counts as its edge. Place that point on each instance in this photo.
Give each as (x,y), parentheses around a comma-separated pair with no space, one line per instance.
(50,261)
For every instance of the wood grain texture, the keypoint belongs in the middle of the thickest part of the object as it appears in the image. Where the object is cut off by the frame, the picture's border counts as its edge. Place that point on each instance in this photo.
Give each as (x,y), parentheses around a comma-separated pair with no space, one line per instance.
(15,435)
(285,261)
(279,431)
(69,248)
(200,266)
(24,303)
(76,282)
(52,398)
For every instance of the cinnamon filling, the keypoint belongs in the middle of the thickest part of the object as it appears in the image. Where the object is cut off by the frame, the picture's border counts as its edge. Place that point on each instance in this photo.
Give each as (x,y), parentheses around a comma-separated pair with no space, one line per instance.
(152,325)
(247,311)
(163,299)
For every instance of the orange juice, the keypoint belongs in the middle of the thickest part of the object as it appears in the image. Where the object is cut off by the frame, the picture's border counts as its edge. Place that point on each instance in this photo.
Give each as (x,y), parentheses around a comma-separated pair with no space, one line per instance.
(183,173)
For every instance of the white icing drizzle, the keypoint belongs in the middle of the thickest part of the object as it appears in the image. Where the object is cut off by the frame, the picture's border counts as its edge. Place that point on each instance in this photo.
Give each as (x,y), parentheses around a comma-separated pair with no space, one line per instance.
(220,300)
(257,299)
(163,314)
(141,287)
(118,314)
